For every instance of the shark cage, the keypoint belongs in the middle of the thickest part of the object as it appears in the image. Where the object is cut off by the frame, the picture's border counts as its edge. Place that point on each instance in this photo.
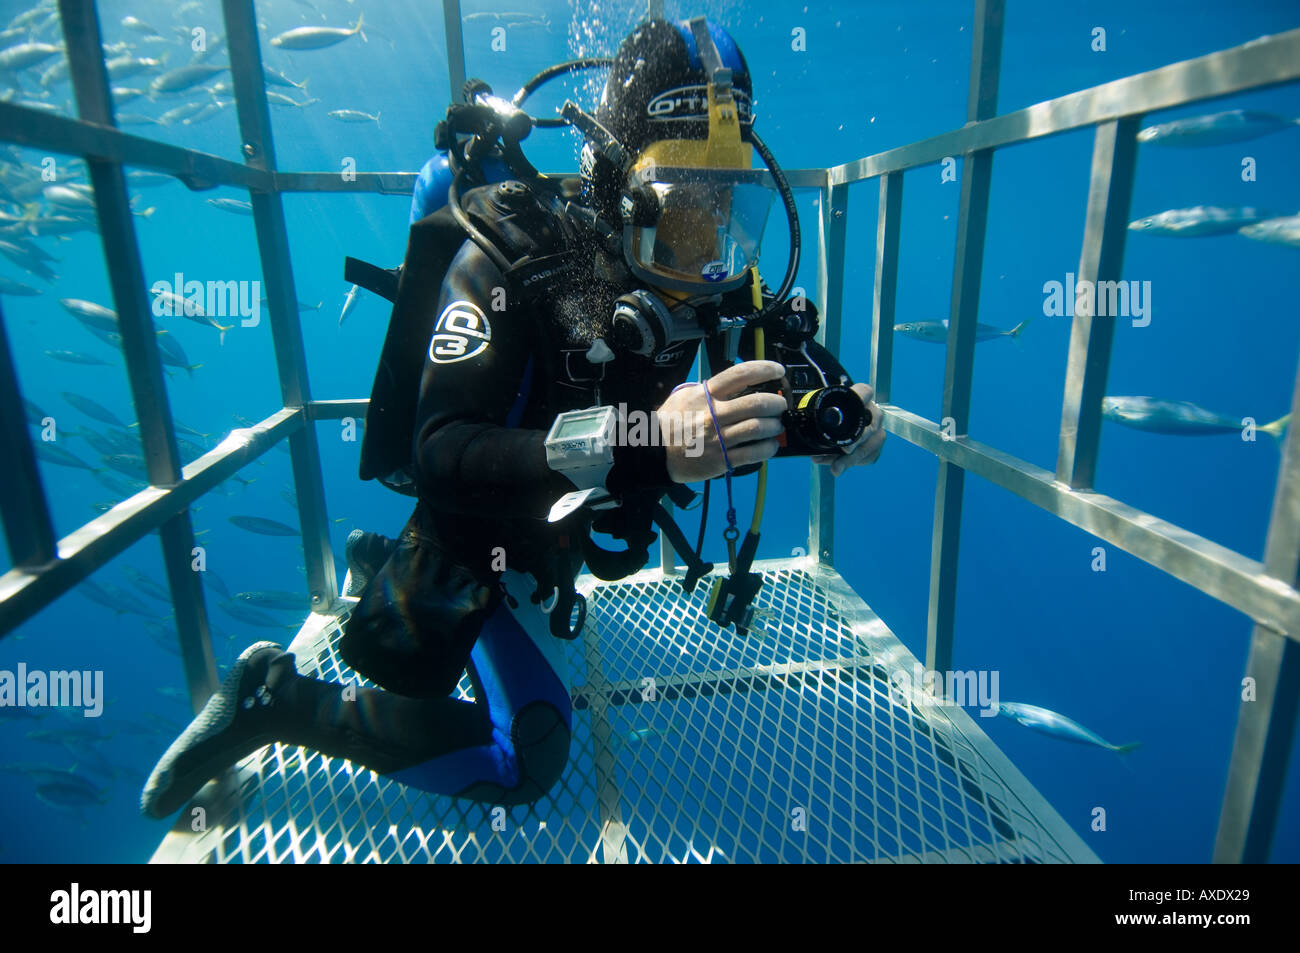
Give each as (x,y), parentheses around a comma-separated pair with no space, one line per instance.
(803,720)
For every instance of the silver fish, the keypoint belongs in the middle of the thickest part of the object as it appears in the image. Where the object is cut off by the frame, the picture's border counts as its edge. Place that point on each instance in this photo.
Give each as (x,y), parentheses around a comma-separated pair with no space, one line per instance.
(184,111)
(144,179)
(54,74)
(1216,129)
(348,302)
(353,115)
(189,308)
(10,287)
(92,409)
(51,453)
(74,357)
(250,615)
(171,354)
(72,794)
(315,37)
(147,584)
(1277,231)
(53,225)
(232,205)
(91,314)
(275,599)
(26,54)
(121,67)
(124,94)
(936,332)
(1178,417)
(174,81)
(280,99)
(1198,221)
(113,597)
(139,26)
(1058,726)
(70,196)
(276,78)
(206,113)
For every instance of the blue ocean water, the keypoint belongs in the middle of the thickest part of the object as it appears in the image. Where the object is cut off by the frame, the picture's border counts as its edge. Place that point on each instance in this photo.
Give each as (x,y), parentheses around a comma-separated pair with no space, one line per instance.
(1128,652)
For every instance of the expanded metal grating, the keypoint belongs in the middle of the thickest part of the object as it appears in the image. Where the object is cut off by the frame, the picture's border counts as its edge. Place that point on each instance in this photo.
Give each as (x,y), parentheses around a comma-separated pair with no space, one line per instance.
(690,744)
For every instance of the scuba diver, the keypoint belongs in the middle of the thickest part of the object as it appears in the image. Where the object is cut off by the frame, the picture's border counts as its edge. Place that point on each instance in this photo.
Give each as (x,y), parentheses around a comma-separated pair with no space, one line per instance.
(531,316)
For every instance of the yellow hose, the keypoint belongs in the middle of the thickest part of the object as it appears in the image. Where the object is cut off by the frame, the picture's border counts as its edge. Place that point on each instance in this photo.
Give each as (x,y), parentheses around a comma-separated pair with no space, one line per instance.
(760,349)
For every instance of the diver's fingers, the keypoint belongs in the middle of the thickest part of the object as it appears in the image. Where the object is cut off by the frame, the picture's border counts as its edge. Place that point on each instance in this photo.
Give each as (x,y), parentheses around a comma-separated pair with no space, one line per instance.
(732,380)
(757,452)
(761,404)
(750,429)
(867,452)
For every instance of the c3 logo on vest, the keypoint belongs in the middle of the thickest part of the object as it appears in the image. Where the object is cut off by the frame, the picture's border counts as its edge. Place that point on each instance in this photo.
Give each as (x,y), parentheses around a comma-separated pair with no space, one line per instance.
(462,332)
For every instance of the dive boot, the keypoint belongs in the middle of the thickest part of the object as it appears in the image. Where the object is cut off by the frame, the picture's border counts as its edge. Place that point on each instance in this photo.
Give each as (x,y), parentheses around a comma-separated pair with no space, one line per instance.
(237,720)
(365,553)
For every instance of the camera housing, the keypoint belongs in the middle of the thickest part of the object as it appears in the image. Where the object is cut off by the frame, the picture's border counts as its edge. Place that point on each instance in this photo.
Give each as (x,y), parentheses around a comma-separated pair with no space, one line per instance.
(823,415)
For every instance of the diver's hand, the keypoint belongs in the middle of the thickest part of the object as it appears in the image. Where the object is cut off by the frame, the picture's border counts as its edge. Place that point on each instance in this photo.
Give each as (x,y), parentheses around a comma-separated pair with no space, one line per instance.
(869,445)
(750,424)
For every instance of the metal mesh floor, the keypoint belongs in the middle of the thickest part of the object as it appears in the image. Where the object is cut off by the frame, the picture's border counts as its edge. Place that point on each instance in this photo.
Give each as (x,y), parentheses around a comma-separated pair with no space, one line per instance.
(690,744)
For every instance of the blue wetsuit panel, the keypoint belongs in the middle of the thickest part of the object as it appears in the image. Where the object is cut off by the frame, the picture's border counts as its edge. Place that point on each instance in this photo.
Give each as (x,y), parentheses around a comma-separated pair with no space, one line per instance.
(512,674)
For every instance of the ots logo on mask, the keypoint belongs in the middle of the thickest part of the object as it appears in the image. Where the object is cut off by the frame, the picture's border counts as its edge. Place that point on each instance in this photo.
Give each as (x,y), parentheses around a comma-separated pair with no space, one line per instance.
(692,102)
(462,332)
(714,271)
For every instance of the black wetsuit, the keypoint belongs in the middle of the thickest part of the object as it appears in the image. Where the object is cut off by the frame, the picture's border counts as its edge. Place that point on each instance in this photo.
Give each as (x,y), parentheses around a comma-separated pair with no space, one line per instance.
(503,361)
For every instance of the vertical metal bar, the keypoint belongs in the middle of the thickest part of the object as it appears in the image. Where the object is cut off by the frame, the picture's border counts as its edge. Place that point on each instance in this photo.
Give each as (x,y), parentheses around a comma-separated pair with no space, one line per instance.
(25,509)
(455,47)
(977,174)
(888,226)
(277,273)
(833,217)
(986,60)
(1114,158)
(667,558)
(1266,723)
(82,40)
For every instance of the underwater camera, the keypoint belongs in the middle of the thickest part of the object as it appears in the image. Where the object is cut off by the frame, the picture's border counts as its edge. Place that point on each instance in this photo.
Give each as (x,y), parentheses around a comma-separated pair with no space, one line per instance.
(821,417)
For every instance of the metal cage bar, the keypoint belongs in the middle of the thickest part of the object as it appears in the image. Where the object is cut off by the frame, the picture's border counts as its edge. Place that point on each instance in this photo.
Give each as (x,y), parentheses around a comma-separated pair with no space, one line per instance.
(968,263)
(82,38)
(277,272)
(885,294)
(1266,721)
(833,218)
(1110,192)
(23,503)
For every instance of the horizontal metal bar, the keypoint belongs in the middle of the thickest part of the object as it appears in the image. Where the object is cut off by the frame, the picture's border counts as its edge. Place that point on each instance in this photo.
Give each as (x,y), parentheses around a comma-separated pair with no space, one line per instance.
(24,592)
(198,170)
(1213,569)
(201,170)
(385,183)
(1263,62)
(337,409)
